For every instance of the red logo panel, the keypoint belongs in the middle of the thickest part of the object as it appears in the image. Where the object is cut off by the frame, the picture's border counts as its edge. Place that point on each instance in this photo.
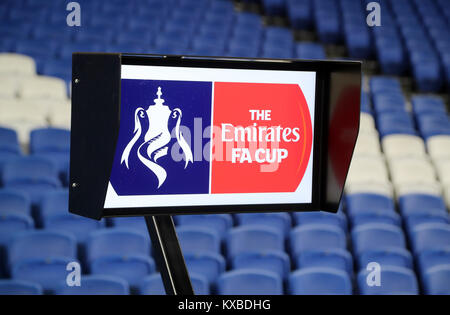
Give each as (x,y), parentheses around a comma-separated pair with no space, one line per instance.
(262,137)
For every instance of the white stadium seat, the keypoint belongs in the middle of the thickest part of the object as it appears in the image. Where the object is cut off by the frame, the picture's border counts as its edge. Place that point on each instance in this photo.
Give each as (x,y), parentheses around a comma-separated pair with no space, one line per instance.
(398,145)
(412,171)
(385,189)
(43,87)
(368,169)
(59,115)
(439,146)
(443,170)
(17,64)
(367,123)
(428,189)
(368,144)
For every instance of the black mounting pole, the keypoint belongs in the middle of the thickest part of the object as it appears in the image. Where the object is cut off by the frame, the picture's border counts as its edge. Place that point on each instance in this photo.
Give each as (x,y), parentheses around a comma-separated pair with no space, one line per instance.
(168,255)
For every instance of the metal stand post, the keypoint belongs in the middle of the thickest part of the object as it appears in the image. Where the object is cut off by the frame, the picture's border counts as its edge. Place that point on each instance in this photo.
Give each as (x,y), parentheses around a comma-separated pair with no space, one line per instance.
(168,255)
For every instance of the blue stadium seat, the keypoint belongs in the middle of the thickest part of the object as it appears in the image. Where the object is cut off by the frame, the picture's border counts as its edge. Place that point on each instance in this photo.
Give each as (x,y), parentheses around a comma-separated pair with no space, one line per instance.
(427,73)
(48,272)
(390,54)
(31,175)
(78,226)
(423,105)
(395,123)
(200,284)
(9,141)
(274,7)
(280,220)
(18,287)
(336,258)
(249,282)
(430,236)
(311,51)
(133,223)
(152,285)
(320,281)
(394,280)
(300,13)
(377,236)
(132,268)
(360,203)
(14,201)
(96,285)
(13,223)
(426,216)
(413,203)
(274,261)
(41,245)
(327,21)
(54,203)
(210,265)
(391,256)
(433,124)
(5,157)
(389,102)
(53,144)
(336,219)
(115,241)
(218,222)
(437,280)
(430,258)
(198,239)
(253,238)
(385,84)
(376,216)
(316,236)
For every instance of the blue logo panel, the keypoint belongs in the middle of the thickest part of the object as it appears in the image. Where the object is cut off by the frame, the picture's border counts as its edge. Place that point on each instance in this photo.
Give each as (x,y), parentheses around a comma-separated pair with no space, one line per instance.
(153,119)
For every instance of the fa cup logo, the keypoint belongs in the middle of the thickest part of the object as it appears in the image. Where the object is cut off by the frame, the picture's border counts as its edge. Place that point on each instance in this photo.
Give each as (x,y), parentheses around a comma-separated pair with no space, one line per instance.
(152,135)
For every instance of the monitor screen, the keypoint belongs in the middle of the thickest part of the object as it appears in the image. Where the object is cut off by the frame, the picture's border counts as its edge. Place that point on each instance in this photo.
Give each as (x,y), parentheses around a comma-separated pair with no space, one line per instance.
(192,136)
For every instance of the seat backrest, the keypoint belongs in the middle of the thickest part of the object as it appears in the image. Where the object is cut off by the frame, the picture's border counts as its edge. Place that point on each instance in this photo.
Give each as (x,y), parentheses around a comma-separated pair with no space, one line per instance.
(249,282)
(96,285)
(316,236)
(195,239)
(433,257)
(116,241)
(8,140)
(219,222)
(30,170)
(279,220)
(410,203)
(210,265)
(437,280)
(430,236)
(253,238)
(49,140)
(275,261)
(19,287)
(152,285)
(55,202)
(394,280)
(393,256)
(377,235)
(320,280)
(14,201)
(41,244)
(336,258)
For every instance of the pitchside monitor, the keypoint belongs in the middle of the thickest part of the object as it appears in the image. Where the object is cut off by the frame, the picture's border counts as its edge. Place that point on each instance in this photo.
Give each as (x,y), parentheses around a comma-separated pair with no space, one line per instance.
(156,135)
